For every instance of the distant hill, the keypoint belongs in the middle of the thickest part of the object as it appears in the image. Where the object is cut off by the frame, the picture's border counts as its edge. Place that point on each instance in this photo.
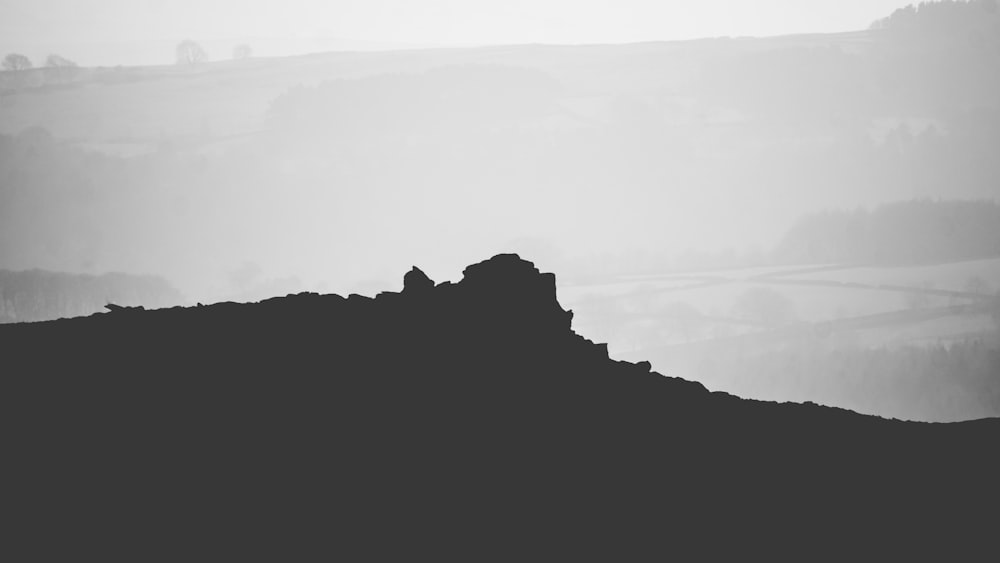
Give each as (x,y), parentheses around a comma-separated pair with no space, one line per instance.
(448,421)
(672,148)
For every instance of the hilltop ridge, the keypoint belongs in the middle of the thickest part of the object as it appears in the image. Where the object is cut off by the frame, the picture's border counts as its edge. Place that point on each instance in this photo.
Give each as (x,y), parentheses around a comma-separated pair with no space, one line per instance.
(457,420)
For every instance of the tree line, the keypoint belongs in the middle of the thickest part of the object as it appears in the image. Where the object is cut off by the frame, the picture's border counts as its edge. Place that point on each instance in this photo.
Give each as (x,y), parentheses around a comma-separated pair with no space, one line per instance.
(58,69)
(938,382)
(186,52)
(944,16)
(916,231)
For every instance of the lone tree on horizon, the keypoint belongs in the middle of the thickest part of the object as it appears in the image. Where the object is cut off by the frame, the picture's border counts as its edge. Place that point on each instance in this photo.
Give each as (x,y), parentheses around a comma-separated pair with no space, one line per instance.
(58,61)
(190,53)
(242,51)
(16,61)
(59,68)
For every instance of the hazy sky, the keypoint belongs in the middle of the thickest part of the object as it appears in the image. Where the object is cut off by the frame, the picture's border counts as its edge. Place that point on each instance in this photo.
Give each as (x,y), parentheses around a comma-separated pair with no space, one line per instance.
(35,25)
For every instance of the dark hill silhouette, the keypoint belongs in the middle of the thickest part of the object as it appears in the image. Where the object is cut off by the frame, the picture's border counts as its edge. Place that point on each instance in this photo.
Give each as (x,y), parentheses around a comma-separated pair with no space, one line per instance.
(451,421)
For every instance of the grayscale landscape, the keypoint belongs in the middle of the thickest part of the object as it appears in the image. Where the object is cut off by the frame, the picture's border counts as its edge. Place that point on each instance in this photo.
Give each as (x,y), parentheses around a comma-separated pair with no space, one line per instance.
(795,216)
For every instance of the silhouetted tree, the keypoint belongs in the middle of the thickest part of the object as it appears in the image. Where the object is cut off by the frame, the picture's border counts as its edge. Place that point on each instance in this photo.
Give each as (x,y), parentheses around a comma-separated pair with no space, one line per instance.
(242,51)
(58,61)
(190,52)
(59,68)
(16,61)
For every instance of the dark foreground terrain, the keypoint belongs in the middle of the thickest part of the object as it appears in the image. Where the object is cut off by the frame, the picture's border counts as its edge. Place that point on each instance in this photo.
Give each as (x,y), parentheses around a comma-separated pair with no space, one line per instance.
(459,421)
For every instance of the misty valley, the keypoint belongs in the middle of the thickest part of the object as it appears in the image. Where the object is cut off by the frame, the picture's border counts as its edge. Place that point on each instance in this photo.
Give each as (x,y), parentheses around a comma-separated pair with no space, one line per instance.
(806,218)
(530,280)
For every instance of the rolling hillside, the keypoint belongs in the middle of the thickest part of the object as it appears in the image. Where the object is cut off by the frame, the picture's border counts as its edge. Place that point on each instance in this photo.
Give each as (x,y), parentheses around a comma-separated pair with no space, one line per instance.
(452,420)
(137,105)
(665,147)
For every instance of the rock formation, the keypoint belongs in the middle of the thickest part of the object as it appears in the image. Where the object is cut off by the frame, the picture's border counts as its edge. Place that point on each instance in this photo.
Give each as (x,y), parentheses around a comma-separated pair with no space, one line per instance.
(458,420)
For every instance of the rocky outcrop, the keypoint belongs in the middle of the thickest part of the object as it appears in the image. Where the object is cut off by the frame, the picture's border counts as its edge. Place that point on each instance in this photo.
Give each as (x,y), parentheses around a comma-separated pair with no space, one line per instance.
(456,420)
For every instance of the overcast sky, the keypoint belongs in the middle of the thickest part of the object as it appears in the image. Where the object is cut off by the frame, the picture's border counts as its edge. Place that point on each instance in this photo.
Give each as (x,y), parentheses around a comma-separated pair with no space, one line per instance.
(38,26)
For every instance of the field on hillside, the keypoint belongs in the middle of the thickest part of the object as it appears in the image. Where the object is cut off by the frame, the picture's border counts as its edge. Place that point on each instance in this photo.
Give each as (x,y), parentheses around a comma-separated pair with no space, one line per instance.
(727,302)
(715,145)
(109,108)
(974,276)
(881,340)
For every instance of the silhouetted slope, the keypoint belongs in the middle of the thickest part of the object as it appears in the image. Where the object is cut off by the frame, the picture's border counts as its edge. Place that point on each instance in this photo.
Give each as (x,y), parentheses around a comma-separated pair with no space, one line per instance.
(460,421)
